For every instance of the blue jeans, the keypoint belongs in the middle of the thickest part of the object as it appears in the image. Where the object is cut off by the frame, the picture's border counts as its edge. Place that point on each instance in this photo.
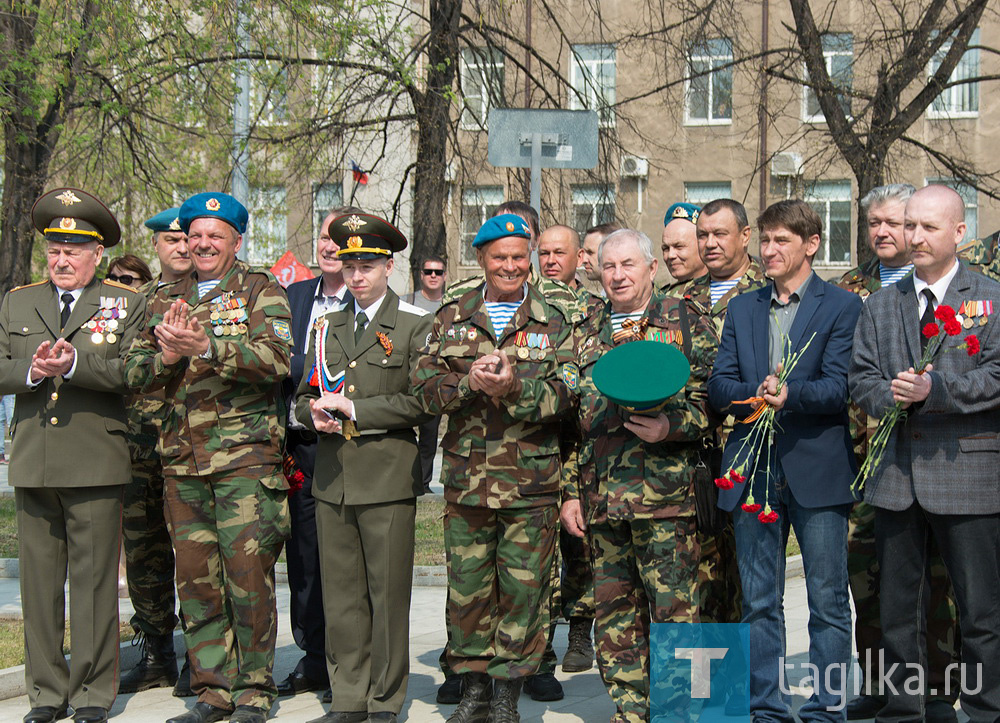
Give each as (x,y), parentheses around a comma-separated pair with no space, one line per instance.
(760,552)
(6,417)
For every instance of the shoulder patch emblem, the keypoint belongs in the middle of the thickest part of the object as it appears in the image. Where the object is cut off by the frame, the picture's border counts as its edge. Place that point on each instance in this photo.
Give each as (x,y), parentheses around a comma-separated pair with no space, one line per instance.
(281,329)
(571,375)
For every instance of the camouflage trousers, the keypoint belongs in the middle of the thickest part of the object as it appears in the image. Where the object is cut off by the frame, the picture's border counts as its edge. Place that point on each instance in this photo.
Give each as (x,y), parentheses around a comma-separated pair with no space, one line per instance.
(227,531)
(499,567)
(149,556)
(644,571)
(942,633)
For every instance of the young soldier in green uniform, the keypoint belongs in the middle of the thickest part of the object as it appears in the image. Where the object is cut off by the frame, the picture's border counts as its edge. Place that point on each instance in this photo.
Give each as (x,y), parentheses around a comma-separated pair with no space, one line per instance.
(149,555)
(217,342)
(500,364)
(884,207)
(633,495)
(62,344)
(368,475)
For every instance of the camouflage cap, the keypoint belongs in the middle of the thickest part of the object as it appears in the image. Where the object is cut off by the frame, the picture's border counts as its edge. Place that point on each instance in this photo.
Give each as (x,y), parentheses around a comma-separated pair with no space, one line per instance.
(641,375)
(69,215)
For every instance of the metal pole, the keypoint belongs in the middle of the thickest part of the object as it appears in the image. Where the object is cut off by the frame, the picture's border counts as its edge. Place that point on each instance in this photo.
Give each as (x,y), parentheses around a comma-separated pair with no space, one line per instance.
(536,187)
(241,122)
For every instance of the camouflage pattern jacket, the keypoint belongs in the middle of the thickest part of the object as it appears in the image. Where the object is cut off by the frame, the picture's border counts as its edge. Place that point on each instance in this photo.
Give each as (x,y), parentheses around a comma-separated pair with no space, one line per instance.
(567,300)
(506,454)
(699,290)
(222,413)
(622,477)
(982,255)
(145,410)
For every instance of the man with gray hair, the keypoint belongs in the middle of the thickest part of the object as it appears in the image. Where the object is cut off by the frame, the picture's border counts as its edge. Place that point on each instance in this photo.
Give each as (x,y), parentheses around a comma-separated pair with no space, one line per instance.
(884,207)
(631,494)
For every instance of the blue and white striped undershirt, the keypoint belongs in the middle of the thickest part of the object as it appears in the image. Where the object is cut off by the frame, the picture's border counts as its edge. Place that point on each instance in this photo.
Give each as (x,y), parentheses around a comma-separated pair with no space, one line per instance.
(500,313)
(889,276)
(718,289)
(206,286)
(618,319)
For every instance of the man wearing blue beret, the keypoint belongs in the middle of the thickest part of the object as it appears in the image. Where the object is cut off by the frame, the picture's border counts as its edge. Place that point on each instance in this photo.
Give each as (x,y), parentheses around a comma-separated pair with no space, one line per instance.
(217,342)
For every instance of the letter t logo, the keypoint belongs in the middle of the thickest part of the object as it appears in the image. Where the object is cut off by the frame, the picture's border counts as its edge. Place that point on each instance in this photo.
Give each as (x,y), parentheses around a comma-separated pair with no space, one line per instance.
(701,667)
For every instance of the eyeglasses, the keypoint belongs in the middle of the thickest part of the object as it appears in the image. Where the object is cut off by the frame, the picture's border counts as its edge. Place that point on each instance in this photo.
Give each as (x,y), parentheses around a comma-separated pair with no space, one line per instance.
(433,272)
(127,279)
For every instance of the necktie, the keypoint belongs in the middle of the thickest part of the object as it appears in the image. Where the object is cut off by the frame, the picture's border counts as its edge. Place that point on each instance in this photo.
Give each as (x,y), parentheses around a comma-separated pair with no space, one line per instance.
(361,320)
(927,317)
(67,300)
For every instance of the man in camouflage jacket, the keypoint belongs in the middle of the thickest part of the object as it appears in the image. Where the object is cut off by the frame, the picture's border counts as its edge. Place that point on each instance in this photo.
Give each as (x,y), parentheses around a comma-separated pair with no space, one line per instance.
(218,343)
(504,391)
(633,496)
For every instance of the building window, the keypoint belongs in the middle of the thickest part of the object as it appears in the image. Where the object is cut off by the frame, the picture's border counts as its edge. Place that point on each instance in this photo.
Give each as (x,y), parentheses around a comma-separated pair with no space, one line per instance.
(592,205)
(701,193)
(267,231)
(269,95)
(832,201)
(838,55)
(482,85)
(592,77)
(478,204)
(962,100)
(970,198)
(709,89)
(326,197)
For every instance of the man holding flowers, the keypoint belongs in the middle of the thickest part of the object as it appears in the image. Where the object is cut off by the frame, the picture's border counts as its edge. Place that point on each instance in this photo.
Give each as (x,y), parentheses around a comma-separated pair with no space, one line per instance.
(926,361)
(783,359)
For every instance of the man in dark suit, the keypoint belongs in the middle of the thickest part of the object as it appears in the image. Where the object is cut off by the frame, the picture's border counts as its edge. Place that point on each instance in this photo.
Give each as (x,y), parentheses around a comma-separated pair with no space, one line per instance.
(356,393)
(939,474)
(62,344)
(812,465)
(309,300)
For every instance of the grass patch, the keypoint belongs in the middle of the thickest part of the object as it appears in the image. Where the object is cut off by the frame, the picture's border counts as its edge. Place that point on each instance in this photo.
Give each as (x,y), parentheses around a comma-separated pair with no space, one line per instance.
(12,640)
(429,538)
(793,545)
(8,528)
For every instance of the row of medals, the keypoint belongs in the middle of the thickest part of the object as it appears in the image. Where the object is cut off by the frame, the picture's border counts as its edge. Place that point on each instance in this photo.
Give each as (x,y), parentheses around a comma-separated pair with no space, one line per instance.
(228,321)
(104,325)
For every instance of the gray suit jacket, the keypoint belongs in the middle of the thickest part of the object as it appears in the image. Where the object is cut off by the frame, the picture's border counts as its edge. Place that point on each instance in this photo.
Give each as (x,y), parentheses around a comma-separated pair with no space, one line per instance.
(945,454)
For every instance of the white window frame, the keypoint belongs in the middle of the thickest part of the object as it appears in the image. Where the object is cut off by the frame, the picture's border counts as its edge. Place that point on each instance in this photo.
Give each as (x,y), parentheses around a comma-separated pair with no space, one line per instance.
(701,192)
(830,52)
(323,205)
(482,76)
(968,67)
(268,209)
(702,53)
(485,200)
(593,79)
(970,200)
(823,193)
(592,197)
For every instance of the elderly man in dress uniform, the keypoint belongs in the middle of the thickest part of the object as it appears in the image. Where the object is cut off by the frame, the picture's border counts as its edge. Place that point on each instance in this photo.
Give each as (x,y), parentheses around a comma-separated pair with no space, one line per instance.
(62,344)
(217,342)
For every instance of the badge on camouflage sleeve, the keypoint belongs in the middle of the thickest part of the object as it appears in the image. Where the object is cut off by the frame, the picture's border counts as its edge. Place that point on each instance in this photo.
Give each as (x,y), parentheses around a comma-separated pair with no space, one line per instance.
(281,329)
(570,375)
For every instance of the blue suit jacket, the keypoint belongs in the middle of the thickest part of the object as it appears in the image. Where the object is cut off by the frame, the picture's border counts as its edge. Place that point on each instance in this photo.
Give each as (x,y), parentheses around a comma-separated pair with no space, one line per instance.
(812,452)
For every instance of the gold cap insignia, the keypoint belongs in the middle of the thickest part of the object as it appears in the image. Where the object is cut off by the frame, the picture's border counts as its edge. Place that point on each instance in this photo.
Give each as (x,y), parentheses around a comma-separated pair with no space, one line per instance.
(354,223)
(510,226)
(354,242)
(213,204)
(67,223)
(174,226)
(68,198)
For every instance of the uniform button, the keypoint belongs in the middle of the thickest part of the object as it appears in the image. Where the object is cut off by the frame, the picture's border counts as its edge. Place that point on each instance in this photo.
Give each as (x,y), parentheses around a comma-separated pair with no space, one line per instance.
(53,420)
(350,388)
(24,329)
(353,364)
(385,361)
(55,396)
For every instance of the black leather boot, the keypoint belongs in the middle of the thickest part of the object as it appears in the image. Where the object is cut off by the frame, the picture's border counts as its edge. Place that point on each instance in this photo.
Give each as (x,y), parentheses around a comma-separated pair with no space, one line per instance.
(156,669)
(503,707)
(475,704)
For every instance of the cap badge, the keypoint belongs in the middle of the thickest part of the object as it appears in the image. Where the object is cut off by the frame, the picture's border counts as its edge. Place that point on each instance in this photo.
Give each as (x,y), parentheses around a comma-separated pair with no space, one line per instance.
(354,242)
(354,223)
(510,226)
(213,204)
(67,223)
(174,226)
(68,198)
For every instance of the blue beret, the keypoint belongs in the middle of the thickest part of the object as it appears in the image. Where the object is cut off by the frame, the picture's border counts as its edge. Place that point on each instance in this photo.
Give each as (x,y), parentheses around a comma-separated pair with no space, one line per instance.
(164,221)
(687,211)
(502,226)
(213,205)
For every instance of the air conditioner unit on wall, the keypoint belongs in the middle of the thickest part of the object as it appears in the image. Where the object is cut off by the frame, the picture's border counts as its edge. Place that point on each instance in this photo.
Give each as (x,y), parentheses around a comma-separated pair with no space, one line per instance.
(634,167)
(786,164)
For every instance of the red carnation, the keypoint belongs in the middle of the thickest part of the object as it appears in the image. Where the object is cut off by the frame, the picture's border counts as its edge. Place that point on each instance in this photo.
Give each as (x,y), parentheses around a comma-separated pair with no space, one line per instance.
(944,312)
(751,508)
(972,344)
(723,483)
(952,327)
(736,477)
(768,517)
(931,330)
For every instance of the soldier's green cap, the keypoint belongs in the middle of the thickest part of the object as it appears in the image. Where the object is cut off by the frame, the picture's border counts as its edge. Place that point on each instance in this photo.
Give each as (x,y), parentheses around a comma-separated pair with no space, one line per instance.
(641,375)
(364,237)
(72,216)
(686,211)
